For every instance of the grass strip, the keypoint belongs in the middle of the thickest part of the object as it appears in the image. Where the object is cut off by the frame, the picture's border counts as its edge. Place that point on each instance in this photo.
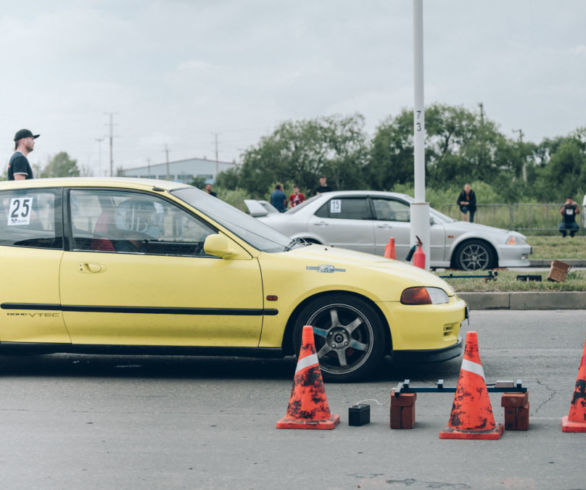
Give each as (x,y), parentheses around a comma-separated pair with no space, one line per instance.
(556,247)
(506,281)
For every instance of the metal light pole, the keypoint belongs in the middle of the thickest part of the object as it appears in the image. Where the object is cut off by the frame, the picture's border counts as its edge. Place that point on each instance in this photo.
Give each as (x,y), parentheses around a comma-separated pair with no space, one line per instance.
(420,208)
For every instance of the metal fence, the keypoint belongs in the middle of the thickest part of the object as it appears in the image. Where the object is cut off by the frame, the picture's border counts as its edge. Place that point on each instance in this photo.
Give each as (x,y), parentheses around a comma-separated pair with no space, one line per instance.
(540,218)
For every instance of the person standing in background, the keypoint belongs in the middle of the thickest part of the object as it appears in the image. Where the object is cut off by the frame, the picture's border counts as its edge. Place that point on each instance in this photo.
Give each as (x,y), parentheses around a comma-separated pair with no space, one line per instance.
(569,211)
(19,167)
(209,190)
(467,203)
(279,199)
(323,186)
(296,198)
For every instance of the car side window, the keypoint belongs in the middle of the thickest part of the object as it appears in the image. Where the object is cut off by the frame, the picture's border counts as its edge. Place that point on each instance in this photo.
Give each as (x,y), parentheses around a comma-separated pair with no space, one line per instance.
(391,210)
(132,222)
(345,208)
(31,218)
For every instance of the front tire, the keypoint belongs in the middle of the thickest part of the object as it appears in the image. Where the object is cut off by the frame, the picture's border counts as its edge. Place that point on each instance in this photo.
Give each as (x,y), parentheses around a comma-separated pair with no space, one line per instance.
(348,334)
(474,255)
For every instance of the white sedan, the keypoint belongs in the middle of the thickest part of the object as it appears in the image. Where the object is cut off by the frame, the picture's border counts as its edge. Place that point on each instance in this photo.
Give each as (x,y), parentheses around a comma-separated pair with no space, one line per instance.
(365,220)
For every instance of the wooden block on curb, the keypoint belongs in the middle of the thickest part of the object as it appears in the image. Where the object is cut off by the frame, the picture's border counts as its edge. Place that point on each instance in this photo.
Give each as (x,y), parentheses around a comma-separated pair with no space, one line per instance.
(403,410)
(517,418)
(514,399)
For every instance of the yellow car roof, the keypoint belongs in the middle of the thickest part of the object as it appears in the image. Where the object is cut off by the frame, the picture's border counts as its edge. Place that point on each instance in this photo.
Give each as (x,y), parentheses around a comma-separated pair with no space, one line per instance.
(92,182)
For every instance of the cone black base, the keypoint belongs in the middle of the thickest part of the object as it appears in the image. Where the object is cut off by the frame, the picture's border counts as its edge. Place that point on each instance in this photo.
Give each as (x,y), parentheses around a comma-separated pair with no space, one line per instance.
(569,426)
(326,424)
(494,434)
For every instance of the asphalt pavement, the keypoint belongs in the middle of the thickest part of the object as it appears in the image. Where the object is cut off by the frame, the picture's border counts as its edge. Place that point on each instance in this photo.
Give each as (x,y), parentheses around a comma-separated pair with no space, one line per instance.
(104,422)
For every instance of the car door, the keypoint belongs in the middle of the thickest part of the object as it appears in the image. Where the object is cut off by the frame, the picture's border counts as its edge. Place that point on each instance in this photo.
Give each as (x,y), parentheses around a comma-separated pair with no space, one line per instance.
(136,274)
(392,221)
(345,222)
(31,248)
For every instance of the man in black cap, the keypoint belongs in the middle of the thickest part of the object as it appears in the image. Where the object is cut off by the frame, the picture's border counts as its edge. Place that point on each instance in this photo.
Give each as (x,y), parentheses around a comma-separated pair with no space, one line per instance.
(19,168)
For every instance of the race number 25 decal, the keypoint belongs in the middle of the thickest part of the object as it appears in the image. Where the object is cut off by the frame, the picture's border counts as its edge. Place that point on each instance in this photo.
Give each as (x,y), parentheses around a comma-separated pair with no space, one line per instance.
(19,212)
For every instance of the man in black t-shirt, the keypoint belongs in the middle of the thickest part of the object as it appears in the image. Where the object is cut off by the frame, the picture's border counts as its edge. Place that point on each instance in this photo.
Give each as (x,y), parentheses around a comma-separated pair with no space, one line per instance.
(323,186)
(19,168)
(569,211)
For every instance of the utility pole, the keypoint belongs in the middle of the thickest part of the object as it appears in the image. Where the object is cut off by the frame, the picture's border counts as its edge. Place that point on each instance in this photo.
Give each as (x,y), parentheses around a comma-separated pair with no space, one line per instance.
(99,140)
(167,161)
(482,137)
(522,151)
(111,124)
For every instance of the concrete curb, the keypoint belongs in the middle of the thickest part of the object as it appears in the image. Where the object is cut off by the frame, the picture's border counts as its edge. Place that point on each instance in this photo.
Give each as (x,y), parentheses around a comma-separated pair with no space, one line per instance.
(567,300)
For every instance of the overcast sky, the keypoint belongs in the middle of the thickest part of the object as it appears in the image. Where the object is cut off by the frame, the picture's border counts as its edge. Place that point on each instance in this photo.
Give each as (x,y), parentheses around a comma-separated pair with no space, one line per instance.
(177,72)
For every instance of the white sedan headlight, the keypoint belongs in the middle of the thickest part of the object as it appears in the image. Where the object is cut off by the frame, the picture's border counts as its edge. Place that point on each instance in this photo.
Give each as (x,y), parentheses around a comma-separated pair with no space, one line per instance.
(516,240)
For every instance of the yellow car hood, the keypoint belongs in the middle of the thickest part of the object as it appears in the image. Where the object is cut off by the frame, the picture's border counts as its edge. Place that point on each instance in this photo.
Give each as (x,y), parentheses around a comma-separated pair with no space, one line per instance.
(367,267)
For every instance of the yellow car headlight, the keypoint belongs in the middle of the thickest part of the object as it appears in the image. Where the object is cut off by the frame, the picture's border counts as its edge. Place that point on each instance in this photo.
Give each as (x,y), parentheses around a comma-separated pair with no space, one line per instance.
(424,296)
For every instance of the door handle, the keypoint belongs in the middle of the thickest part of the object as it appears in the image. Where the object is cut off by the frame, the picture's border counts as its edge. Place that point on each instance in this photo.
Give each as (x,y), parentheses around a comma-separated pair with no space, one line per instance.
(93,268)
(384,226)
(320,223)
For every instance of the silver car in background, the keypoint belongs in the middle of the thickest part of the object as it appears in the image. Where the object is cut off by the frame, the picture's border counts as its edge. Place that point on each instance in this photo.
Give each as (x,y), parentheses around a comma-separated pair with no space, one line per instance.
(365,220)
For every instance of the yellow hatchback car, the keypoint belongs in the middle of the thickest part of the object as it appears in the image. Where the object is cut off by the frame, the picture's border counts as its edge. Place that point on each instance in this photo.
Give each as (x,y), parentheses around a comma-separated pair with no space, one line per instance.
(131,265)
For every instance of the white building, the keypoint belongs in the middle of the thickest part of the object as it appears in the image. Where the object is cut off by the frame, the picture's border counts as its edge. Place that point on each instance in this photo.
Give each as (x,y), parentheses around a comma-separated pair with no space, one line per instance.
(181,170)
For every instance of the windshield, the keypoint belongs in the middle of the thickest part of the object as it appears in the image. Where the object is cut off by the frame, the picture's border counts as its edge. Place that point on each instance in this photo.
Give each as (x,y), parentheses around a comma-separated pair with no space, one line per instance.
(440,217)
(251,230)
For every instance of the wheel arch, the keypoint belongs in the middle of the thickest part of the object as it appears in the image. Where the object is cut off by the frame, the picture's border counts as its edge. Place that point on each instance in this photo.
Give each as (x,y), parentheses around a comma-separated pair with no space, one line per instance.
(462,243)
(287,342)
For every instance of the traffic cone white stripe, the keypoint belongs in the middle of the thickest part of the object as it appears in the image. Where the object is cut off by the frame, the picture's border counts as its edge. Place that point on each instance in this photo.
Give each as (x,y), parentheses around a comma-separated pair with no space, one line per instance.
(473,367)
(306,362)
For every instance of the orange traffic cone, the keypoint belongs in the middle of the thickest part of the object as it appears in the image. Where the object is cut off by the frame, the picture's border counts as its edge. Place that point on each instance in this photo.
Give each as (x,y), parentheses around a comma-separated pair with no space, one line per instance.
(471,416)
(308,406)
(390,249)
(576,419)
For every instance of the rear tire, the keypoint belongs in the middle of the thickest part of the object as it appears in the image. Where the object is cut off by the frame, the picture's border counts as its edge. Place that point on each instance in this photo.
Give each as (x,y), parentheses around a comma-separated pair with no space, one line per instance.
(348,334)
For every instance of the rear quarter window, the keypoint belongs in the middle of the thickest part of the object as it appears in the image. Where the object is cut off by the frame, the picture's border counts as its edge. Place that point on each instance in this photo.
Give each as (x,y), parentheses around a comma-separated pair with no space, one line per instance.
(345,208)
(31,218)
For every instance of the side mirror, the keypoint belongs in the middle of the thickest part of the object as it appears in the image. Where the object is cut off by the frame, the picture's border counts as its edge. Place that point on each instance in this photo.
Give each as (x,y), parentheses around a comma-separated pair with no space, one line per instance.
(220,245)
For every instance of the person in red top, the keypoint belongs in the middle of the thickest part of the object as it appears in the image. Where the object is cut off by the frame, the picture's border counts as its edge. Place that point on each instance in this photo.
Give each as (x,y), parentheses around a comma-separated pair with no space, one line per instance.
(296,198)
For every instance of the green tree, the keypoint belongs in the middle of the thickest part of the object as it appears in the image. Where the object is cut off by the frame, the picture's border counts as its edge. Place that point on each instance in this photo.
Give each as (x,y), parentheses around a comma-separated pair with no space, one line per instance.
(301,151)
(391,153)
(564,175)
(199,182)
(460,146)
(61,165)
(228,179)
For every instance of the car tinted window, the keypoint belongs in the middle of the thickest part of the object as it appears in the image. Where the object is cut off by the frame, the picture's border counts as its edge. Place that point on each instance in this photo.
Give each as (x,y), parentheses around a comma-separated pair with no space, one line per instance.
(391,210)
(31,218)
(132,222)
(345,208)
